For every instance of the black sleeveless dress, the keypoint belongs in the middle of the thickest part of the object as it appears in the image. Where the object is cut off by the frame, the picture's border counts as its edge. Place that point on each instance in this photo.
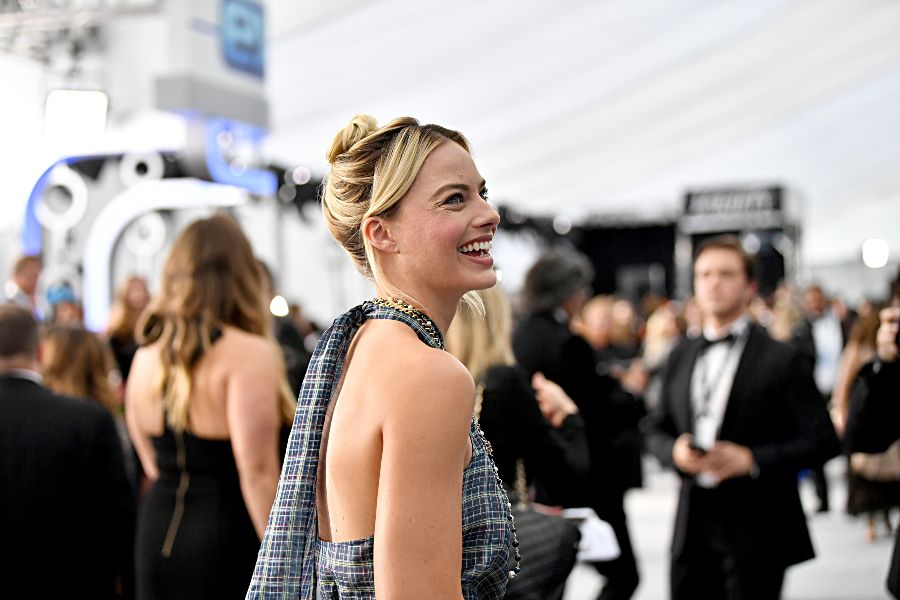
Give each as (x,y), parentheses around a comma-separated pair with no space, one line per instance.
(195,539)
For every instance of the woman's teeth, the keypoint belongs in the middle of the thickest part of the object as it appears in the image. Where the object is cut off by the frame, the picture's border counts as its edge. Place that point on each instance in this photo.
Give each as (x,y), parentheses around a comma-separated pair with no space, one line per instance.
(479,248)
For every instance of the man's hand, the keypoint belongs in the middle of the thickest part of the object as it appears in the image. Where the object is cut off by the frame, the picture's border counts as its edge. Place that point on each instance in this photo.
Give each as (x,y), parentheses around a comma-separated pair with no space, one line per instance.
(886,342)
(727,459)
(688,460)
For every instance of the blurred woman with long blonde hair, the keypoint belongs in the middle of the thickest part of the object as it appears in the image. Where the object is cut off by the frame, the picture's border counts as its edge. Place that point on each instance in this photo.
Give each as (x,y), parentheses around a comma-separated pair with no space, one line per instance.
(206,401)
(524,420)
(538,438)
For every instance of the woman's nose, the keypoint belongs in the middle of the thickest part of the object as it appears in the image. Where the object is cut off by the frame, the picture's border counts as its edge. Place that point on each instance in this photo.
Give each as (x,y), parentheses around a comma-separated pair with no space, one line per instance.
(489,217)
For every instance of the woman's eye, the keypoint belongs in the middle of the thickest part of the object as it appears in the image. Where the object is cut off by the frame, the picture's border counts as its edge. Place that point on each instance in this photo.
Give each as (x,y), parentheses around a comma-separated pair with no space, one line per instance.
(484,194)
(454,199)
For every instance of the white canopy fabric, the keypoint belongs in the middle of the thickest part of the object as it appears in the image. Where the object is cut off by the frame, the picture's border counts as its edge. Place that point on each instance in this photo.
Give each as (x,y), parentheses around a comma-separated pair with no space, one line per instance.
(611,108)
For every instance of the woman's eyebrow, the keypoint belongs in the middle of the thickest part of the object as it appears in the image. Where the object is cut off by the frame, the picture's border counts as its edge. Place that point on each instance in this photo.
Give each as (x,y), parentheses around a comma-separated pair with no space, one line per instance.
(455,186)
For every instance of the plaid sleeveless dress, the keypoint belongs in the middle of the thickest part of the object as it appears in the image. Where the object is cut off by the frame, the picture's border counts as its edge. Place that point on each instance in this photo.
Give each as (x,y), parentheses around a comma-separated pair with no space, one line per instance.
(294,563)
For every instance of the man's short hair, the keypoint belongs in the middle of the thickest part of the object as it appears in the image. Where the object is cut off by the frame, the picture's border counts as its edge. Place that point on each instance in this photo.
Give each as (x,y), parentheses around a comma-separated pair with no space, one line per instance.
(25,261)
(732,243)
(554,278)
(18,332)
(814,289)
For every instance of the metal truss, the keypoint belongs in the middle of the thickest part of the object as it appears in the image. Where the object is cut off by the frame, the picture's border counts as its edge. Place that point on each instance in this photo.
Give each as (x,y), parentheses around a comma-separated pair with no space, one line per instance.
(37,28)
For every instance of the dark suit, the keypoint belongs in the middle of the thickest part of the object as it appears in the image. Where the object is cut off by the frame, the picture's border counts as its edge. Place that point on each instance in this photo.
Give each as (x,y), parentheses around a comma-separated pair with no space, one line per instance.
(873,424)
(66,504)
(542,343)
(751,529)
(804,340)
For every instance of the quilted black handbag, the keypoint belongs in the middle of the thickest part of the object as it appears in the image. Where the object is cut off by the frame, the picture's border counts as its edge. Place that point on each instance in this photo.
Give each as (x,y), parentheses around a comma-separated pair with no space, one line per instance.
(548,544)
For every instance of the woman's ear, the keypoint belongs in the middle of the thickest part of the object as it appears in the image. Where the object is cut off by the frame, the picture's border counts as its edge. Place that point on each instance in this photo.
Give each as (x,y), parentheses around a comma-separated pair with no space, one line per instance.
(376,230)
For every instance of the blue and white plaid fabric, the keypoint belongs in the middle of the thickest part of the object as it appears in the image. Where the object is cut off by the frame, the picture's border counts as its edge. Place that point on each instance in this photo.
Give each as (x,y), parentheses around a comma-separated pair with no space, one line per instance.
(294,563)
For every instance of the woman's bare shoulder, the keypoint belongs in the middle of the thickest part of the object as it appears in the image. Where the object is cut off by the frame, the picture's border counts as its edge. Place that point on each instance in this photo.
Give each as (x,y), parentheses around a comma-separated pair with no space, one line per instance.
(415,380)
(145,363)
(245,349)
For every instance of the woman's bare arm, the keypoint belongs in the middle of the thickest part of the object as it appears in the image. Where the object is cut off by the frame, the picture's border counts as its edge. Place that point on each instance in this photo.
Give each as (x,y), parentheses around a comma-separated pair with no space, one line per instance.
(418,521)
(138,391)
(848,367)
(254,422)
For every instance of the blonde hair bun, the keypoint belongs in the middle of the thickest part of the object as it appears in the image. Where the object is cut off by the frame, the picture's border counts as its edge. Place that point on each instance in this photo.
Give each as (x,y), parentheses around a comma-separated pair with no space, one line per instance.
(360,127)
(372,168)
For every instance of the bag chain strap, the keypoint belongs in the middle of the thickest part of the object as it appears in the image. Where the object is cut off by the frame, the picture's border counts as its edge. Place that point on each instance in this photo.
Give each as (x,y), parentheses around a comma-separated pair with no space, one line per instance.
(520,487)
(479,400)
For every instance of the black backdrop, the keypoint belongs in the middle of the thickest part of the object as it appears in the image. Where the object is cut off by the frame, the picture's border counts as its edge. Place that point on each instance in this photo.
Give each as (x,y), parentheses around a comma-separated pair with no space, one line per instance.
(629,250)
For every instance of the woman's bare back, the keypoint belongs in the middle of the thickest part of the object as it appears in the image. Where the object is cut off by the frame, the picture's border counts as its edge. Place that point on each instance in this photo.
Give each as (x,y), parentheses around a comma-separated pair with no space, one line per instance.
(207,412)
(352,441)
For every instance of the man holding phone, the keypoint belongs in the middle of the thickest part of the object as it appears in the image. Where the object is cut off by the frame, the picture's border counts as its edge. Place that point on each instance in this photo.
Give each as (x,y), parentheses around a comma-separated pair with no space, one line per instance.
(873,421)
(739,416)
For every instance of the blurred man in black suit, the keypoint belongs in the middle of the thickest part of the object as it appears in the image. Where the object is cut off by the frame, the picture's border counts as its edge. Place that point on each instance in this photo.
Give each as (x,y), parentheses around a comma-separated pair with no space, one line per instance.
(819,336)
(873,422)
(739,415)
(66,505)
(555,290)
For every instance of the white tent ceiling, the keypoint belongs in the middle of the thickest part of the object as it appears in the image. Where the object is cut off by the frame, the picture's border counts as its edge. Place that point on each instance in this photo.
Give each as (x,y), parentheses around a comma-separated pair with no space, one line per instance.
(612,108)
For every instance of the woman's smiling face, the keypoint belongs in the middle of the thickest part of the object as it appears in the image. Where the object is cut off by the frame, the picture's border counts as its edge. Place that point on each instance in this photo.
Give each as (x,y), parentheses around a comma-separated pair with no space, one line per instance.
(444,225)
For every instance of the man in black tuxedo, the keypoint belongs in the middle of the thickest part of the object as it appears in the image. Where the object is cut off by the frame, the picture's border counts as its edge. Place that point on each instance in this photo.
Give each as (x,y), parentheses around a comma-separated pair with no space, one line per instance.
(819,336)
(555,290)
(873,420)
(739,416)
(66,505)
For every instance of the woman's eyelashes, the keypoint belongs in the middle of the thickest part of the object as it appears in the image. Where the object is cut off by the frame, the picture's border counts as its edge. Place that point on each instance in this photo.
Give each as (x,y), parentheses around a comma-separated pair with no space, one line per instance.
(458,198)
(453,199)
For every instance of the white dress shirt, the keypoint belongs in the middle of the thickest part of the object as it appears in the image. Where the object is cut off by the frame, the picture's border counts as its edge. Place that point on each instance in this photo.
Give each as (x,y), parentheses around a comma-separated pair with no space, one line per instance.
(711,382)
(24,374)
(829,342)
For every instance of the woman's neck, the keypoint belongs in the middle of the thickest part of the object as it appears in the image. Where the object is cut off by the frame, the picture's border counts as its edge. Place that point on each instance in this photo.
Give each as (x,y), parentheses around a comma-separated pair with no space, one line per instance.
(439,308)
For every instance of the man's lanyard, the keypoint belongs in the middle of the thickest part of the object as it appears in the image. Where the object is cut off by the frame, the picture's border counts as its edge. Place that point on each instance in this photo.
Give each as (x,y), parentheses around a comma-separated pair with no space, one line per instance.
(708,386)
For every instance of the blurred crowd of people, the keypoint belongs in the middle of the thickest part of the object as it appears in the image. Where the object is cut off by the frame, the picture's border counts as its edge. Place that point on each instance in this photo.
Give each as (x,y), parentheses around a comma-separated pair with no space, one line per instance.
(146,456)
(194,388)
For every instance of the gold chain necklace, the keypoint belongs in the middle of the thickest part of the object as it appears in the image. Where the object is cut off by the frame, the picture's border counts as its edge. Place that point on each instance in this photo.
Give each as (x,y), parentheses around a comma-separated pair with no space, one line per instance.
(479,402)
(411,311)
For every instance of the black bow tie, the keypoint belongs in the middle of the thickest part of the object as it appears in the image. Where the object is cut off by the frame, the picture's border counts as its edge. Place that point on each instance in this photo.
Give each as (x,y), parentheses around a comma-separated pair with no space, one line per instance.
(706,342)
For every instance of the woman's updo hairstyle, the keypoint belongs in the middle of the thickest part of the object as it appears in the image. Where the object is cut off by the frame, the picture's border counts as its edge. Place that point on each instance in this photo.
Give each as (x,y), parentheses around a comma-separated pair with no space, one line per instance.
(372,168)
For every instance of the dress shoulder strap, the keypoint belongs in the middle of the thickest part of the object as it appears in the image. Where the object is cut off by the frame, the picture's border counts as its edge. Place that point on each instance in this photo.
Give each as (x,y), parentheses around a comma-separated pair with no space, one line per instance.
(393,309)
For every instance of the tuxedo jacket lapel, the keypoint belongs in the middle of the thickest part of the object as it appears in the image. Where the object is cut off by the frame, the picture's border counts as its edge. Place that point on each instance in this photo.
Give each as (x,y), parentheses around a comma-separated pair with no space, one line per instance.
(683,385)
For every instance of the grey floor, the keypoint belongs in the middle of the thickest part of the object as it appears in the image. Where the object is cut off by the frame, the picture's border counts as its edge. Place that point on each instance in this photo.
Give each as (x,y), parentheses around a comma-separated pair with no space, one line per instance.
(846,567)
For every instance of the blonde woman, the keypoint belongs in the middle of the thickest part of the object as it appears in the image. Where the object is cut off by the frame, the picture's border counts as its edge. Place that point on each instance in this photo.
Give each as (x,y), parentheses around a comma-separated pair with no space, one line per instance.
(535,421)
(206,401)
(662,334)
(787,315)
(388,489)
(537,435)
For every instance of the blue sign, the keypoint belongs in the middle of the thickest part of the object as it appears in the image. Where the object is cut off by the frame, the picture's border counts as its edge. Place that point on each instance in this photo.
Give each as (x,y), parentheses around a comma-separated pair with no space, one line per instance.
(243,36)
(261,182)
